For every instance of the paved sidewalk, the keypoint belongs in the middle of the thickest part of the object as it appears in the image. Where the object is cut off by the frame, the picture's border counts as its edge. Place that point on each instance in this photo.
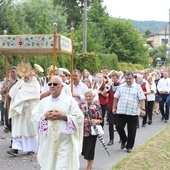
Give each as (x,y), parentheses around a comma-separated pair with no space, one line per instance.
(101,162)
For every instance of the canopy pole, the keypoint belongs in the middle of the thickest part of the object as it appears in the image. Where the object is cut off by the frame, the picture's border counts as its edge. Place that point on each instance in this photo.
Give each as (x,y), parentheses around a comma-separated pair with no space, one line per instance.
(54,47)
(6,84)
(72,57)
(6,69)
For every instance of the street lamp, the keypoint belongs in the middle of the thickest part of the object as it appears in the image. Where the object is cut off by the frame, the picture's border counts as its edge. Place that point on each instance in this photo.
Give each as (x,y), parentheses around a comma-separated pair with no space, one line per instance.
(158,60)
(72,29)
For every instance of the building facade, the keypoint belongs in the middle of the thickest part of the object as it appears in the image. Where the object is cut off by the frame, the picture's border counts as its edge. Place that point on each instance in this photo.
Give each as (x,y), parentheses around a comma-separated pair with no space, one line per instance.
(158,38)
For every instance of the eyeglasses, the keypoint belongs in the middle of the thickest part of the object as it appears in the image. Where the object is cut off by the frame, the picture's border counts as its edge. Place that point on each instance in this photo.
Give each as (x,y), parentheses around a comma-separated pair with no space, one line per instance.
(54,84)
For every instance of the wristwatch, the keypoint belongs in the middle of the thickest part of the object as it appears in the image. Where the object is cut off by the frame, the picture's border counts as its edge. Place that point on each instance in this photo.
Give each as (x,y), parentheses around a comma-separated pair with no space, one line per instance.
(143,109)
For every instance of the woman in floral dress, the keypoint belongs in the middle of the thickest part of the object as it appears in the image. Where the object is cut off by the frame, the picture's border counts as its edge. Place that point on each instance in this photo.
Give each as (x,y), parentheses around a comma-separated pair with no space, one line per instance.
(92,115)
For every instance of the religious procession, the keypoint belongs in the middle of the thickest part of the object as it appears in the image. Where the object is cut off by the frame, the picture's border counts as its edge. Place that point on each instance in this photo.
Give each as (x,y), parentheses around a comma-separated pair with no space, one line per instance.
(60,116)
(48,119)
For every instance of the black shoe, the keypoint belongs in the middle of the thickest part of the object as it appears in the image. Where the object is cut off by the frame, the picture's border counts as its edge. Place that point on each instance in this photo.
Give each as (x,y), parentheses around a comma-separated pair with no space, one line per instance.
(166,121)
(6,130)
(110,143)
(129,150)
(31,153)
(162,119)
(1,123)
(10,145)
(123,145)
(149,122)
(13,152)
(143,125)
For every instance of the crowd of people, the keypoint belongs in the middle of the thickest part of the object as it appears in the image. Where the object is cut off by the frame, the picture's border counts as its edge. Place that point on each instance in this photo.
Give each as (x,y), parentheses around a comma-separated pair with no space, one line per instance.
(47,118)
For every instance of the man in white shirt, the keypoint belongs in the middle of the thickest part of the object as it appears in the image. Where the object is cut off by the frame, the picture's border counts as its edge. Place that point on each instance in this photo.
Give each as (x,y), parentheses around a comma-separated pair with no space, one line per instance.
(164,89)
(66,88)
(13,78)
(79,87)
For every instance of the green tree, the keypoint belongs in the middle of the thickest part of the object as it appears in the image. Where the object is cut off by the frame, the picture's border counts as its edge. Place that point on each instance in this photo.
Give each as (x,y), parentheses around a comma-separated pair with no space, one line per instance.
(125,41)
(147,32)
(41,14)
(89,61)
(95,39)
(7,17)
(20,15)
(97,13)
(73,11)
(4,6)
(109,60)
(31,16)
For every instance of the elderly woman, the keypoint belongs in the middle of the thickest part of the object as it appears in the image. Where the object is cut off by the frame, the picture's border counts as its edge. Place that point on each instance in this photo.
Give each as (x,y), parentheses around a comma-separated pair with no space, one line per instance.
(92,115)
(155,78)
(150,98)
(89,85)
(145,87)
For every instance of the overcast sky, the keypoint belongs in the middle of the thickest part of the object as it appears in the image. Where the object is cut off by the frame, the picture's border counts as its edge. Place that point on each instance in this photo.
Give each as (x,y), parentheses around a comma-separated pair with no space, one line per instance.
(145,10)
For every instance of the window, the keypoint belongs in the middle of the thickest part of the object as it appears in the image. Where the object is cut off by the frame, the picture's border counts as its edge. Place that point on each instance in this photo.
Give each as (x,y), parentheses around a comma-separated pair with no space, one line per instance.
(164,41)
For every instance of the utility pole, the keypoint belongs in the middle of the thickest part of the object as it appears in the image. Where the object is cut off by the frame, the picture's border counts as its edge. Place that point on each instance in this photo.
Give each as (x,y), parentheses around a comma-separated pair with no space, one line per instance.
(85,27)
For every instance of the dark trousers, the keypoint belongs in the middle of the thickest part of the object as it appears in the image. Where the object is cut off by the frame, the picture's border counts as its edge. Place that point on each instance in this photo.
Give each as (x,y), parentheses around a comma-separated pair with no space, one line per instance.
(7,121)
(145,117)
(131,122)
(112,121)
(150,109)
(2,112)
(162,104)
(104,108)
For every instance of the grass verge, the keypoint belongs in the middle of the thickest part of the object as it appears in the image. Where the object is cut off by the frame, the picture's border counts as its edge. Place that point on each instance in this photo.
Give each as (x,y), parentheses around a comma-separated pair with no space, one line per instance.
(152,155)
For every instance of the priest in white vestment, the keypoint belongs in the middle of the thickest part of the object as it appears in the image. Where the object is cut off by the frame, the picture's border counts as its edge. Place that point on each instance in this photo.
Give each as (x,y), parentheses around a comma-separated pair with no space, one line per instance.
(24,96)
(60,126)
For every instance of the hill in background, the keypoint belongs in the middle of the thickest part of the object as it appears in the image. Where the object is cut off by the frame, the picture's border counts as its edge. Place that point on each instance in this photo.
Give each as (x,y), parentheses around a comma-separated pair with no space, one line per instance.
(152,26)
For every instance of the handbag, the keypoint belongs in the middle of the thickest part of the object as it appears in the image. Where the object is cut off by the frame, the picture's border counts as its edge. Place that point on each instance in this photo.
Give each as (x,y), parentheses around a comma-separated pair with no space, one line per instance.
(99,128)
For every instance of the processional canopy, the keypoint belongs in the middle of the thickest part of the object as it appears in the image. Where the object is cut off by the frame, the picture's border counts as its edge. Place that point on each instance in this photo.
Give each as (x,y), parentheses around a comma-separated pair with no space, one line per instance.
(34,44)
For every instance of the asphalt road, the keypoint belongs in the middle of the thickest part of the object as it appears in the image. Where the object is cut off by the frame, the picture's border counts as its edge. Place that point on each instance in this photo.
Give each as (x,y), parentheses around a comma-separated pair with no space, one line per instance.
(101,162)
